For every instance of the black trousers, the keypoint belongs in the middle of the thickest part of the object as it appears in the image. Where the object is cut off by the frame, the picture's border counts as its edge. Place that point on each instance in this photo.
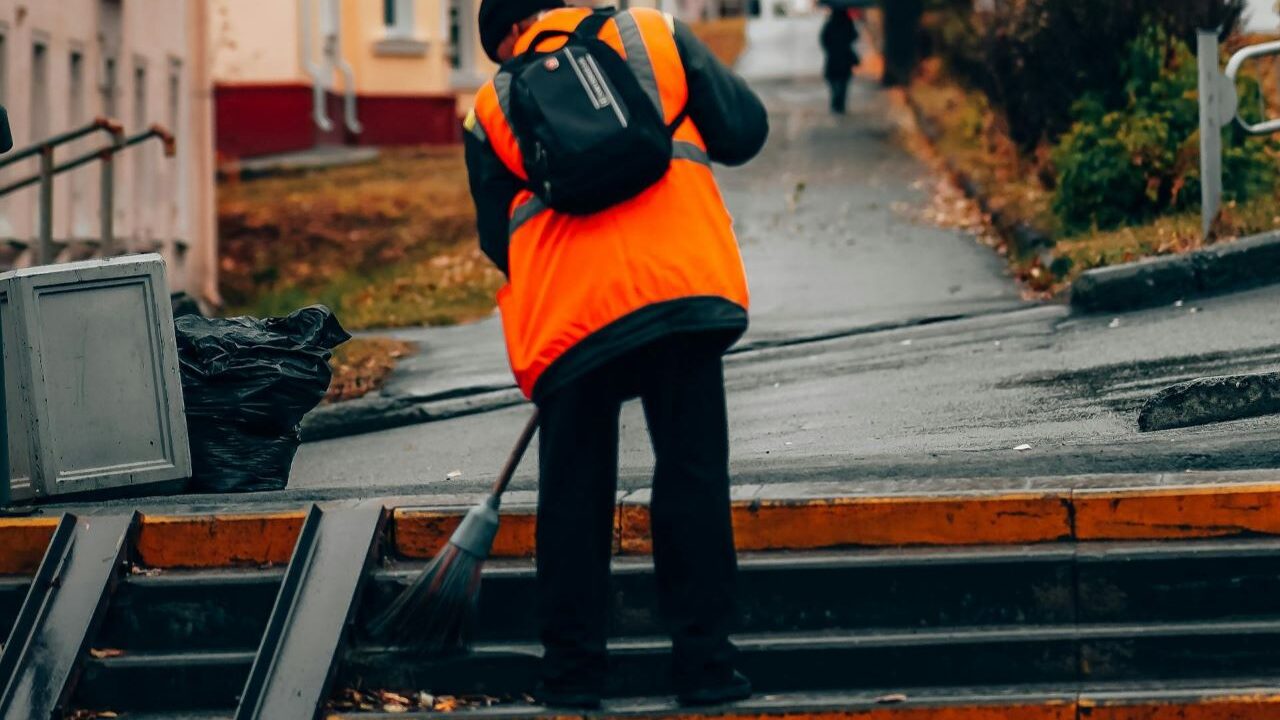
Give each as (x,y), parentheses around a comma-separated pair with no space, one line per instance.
(839,93)
(680,381)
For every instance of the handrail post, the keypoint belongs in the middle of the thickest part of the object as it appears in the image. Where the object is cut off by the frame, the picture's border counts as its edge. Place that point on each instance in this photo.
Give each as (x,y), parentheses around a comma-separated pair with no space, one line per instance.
(106,200)
(45,252)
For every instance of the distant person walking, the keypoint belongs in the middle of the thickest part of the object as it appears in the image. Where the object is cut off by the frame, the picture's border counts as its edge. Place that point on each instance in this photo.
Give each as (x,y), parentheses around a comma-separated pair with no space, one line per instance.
(838,37)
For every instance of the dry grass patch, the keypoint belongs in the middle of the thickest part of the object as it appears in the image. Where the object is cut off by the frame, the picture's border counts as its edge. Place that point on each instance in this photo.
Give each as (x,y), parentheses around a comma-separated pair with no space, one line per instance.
(388,243)
(361,365)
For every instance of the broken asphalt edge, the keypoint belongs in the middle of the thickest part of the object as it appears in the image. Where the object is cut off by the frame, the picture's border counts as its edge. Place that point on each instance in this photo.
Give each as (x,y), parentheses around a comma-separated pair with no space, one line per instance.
(1246,263)
(380,412)
(1211,400)
(775,517)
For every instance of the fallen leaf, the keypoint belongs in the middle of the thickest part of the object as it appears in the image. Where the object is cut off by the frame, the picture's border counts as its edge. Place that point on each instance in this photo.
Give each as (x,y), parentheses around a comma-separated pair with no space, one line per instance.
(101,653)
(392,698)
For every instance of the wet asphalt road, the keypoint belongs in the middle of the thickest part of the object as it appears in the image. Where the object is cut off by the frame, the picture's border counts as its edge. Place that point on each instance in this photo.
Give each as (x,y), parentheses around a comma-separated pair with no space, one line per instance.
(897,391)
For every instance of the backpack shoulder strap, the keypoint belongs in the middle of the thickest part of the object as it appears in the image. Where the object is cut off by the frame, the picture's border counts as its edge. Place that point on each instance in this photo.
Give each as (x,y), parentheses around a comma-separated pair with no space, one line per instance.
(593,23)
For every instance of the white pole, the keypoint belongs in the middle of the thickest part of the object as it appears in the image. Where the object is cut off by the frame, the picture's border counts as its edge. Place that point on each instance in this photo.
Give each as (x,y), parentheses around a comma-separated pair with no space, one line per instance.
(1211,86)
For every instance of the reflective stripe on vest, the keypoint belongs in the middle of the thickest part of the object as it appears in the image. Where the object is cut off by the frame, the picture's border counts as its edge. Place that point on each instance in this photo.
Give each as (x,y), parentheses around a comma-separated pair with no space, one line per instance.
(530,208)
(638,57)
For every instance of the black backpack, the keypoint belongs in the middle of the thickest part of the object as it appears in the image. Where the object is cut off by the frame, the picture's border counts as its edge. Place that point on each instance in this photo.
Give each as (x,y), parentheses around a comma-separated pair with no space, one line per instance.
(590,135)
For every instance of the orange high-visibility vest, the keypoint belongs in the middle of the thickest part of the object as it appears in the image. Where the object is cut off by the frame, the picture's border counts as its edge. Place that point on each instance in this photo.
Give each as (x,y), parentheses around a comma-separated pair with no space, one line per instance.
(583,289)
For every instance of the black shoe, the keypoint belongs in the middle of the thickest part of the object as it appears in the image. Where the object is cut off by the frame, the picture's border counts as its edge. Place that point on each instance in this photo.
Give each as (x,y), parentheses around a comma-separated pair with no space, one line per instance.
(577,698)
(736,688)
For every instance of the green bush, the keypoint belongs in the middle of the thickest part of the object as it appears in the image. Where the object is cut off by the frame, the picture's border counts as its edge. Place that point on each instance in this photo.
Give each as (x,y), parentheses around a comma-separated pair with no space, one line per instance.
(1034,59)
(1128,158)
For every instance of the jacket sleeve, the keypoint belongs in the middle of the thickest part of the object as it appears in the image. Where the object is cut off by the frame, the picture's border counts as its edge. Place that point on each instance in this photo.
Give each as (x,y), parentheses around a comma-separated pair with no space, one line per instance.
(493,188)
(730,116)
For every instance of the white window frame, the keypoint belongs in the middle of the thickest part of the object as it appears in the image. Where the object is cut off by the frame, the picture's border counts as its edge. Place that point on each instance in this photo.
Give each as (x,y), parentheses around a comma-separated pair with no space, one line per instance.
(402,27)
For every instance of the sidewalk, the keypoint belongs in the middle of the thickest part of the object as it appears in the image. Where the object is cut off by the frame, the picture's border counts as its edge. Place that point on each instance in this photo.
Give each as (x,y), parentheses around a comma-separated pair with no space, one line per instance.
(824,220)
(881,349)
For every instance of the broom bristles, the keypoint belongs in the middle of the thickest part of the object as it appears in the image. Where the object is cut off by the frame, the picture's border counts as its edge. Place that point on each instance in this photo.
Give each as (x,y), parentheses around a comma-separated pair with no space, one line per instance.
(436,614)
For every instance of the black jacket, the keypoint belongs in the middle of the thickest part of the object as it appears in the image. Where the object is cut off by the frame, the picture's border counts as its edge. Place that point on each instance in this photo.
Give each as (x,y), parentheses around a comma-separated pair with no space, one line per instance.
(725,110)
(838,37)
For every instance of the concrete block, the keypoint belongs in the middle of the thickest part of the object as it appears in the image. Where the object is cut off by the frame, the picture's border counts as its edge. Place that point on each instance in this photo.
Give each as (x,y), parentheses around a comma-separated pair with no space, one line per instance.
(94,396)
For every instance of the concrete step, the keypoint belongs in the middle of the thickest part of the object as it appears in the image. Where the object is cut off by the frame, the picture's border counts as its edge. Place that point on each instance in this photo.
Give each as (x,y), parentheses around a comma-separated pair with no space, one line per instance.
(816,621)
(1055,656)
(190,611)
(844,590)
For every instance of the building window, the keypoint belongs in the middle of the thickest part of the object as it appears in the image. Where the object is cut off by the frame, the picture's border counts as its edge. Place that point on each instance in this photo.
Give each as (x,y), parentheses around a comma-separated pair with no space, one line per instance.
(175,94)
(4,69)
(397,15)
(140,95)
(39,91)
(455,34)
(108,87)
(143,163)
(75,87)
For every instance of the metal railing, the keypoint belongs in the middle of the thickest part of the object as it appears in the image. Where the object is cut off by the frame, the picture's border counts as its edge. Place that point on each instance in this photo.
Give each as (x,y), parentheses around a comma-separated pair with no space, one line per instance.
(48,170)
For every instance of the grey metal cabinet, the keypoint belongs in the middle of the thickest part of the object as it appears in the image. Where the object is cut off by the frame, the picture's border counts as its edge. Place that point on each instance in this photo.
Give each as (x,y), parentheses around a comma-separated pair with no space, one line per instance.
(91,369)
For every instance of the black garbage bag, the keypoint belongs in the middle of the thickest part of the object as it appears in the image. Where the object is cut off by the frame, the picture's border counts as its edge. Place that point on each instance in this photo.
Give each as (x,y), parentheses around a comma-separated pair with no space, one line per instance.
(246,383)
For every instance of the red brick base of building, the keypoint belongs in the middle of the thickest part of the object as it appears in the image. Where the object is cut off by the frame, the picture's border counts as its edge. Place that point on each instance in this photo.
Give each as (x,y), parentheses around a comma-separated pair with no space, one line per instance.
(268,118)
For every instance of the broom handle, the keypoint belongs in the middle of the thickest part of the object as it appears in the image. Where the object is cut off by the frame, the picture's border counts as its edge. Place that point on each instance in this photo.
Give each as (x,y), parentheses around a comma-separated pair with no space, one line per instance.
(513,460)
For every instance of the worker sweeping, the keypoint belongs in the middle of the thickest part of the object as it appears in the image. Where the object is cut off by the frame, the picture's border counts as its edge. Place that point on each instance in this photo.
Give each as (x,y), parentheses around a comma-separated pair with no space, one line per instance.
(589,156)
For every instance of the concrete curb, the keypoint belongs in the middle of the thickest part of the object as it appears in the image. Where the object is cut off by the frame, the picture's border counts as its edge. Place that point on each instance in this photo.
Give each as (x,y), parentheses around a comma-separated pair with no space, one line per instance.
(1245,263)
(1211,400)
(795,516)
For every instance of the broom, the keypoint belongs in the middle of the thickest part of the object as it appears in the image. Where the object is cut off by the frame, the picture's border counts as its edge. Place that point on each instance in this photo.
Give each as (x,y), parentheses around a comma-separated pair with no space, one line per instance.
(436,614)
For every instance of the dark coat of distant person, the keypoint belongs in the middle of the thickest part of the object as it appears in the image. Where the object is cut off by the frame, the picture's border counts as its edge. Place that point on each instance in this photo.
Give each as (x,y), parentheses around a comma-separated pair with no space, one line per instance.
(838,37)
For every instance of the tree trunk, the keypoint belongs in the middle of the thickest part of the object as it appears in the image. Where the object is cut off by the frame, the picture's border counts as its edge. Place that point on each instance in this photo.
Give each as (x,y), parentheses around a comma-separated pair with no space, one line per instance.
(901,24)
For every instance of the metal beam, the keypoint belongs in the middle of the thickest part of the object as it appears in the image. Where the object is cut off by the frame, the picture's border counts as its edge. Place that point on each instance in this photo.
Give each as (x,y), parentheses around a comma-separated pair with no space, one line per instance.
(310,621)
(60,615)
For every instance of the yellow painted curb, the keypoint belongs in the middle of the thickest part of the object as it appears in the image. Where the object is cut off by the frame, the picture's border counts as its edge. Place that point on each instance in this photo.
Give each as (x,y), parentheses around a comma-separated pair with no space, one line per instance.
(1177,513)
(23,542)
(205,541)
(878,522)
(774,517)
(1227,707)
(421,533)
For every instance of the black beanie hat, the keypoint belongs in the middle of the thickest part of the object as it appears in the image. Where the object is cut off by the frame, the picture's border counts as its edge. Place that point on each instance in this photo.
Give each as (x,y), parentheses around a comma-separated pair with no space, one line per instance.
(497,17)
